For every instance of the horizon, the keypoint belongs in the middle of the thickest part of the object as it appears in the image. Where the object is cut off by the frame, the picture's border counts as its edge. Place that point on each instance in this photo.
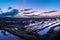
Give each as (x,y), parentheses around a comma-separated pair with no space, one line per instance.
(43,7)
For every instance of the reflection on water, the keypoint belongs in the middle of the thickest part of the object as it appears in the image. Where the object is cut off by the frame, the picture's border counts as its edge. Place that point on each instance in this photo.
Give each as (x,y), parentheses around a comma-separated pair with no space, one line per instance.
(4,35)
(3,32)
(44,31)
(47,29)
(57,28)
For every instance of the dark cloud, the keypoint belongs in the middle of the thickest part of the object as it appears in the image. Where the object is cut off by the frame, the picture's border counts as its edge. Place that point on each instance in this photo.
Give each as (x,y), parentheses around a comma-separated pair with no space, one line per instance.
(27,9)
(9,7)
(29,12)
(51,11)
(32,16)
(26,13)
(12,13)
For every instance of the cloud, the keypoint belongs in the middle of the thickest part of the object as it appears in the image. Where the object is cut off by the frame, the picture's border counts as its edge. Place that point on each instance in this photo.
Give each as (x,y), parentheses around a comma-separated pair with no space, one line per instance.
(12,13)
(29,12)
(51,11)
(38,14)
(50,14)
(27,9)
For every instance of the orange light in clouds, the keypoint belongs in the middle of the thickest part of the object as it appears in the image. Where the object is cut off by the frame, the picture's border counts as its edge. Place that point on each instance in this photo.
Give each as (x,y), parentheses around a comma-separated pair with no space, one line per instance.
(50,14)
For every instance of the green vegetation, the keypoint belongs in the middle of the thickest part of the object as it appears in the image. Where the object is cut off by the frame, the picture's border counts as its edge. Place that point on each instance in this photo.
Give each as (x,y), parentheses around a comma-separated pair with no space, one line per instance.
(24,34)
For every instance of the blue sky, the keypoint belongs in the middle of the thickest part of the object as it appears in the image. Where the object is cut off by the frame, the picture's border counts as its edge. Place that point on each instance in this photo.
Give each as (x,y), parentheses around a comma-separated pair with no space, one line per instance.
(15,4)
(42,5)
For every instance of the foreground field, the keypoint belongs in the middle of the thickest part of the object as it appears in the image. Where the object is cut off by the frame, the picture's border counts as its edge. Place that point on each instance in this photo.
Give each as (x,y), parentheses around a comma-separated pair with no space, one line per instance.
(53,35)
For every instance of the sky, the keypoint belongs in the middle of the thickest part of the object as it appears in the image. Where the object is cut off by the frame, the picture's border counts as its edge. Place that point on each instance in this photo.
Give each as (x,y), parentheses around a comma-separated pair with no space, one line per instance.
(43,5)
(39,5)
(15,4)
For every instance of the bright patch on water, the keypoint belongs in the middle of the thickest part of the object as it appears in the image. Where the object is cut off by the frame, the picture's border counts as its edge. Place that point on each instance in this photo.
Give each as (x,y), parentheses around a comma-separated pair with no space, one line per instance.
(57,28)
(47,29)
(44,31)
(8,36)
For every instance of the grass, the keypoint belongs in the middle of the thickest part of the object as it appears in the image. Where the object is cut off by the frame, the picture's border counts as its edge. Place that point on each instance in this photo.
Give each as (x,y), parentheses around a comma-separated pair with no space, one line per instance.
(49,36)
(24,34)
